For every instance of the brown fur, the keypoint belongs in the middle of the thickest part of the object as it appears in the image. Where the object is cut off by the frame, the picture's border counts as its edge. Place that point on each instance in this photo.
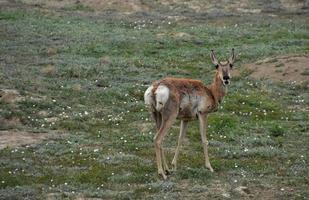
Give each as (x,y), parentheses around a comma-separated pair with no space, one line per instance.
(217,89)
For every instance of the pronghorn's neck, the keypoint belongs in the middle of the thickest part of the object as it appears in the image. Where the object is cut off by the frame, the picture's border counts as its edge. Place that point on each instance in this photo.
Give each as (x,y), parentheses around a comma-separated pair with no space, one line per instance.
(218,89)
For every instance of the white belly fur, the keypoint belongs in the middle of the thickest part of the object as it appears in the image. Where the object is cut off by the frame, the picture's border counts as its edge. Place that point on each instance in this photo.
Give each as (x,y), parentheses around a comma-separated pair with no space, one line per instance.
(190,105)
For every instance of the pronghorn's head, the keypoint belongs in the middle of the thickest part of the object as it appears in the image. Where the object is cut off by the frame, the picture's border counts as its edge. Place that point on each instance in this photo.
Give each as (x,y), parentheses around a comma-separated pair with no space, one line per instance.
(224,67)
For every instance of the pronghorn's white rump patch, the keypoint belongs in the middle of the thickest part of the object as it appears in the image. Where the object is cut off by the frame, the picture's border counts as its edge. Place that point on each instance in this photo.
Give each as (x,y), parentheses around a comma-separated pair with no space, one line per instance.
(162,95)
(148,96)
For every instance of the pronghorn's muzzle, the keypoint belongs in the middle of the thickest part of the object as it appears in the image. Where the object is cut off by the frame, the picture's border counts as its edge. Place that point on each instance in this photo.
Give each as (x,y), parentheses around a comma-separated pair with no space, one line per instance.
(226,80)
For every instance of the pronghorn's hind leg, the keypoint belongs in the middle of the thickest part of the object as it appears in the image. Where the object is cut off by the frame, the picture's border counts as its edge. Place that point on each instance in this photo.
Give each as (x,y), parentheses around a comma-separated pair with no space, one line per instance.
(168,119)
(183,129)
(158,119)
(164,163)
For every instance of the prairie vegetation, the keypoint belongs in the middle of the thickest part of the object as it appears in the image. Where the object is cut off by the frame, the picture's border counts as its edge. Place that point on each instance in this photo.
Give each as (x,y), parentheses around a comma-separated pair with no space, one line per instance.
(72,117)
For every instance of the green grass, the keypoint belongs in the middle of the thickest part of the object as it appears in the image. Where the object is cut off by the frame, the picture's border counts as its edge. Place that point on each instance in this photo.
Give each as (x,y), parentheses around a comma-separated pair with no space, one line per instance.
(105,148)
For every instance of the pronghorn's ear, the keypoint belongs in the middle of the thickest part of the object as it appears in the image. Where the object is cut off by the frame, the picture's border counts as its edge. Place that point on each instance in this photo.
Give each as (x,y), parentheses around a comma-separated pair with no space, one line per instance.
(213,58)
(232,58)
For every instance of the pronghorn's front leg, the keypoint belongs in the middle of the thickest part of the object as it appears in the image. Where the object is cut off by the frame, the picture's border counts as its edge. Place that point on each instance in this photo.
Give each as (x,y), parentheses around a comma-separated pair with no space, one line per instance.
(203,125)
(183,129)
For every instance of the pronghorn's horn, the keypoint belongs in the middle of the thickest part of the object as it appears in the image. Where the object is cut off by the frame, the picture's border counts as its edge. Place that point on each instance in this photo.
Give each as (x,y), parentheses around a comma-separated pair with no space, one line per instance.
(213,58)
(233,57)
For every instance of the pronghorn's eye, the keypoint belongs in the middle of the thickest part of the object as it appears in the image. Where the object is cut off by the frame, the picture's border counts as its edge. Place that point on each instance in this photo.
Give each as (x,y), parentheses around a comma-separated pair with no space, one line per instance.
(217,66)
(231,65)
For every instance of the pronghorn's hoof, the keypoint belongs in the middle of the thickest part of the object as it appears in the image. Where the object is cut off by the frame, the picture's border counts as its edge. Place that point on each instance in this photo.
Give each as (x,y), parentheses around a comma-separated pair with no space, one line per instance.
(162,175)
(166,169)
(210,168)
(174,167)
(168,172)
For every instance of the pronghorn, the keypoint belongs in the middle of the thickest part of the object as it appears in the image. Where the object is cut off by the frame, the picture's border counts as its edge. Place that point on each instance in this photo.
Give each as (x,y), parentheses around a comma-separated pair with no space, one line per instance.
(185,99)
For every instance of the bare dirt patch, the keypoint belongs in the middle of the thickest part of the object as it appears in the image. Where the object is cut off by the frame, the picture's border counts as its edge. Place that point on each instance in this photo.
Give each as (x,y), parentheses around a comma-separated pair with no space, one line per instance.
(13,122)
(10,96)
(13,138)
(126,6)
(287,69)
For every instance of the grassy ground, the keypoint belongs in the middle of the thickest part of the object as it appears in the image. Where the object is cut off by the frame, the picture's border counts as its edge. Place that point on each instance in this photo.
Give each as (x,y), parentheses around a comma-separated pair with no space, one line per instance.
(82,78)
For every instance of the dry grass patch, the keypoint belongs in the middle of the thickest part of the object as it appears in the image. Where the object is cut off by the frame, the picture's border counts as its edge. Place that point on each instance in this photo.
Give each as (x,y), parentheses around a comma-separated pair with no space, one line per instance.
(49,70)
(51,51)
(18,138)
(76,87)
